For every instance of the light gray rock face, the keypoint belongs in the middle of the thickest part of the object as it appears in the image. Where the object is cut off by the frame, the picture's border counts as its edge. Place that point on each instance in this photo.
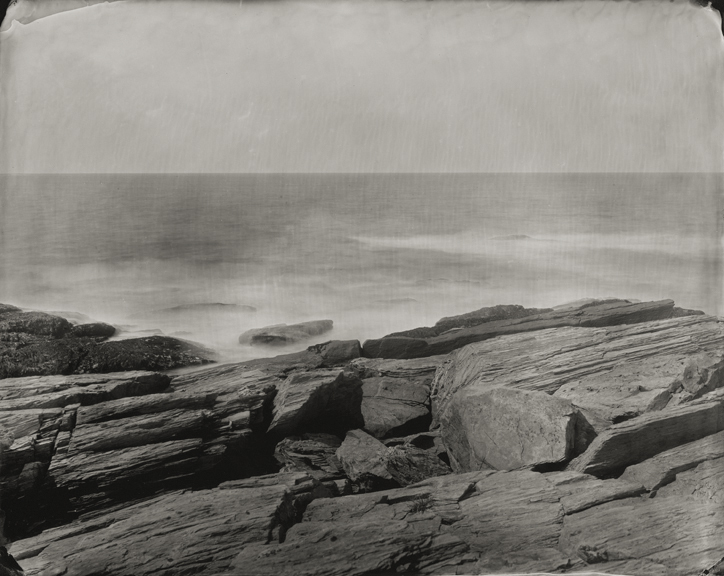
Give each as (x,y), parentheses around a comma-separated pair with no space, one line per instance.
(671,534)
(319,400)
(608,313)
(504,428)
(614,377)
(282,334)
(394,406)
(705,483)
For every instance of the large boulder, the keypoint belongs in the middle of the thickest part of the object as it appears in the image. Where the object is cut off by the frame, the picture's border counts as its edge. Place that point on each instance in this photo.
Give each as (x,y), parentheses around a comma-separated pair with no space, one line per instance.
(608,313)
(282,334)
(505,428)
(610,375)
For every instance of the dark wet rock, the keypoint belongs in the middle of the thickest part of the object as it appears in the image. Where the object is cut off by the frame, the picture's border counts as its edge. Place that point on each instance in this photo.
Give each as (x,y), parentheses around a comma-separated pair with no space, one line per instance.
(152,353)
(36,323)
(317,401)
(49,357)
(599,314)
(282,334)
(39,344)
(142,473)
(92,330)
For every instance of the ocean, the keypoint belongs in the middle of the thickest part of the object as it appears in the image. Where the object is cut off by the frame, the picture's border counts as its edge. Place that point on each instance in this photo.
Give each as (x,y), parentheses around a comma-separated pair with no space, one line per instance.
(206,257)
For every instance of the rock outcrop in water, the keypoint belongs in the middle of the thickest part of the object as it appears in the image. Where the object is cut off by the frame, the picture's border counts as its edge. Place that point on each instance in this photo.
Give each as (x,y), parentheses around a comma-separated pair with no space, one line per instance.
(591,445)
(283,334)
(40,344)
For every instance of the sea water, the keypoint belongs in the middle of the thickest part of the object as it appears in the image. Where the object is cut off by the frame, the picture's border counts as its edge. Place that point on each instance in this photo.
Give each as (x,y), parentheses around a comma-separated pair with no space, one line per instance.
(207,257)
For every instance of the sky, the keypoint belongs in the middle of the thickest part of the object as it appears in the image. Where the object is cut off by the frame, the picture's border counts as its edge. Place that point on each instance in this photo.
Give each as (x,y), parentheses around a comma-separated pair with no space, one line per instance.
(363,86)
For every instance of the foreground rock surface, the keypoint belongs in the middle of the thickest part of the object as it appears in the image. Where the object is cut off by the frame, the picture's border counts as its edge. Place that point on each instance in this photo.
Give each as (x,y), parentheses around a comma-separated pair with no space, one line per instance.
(146,473)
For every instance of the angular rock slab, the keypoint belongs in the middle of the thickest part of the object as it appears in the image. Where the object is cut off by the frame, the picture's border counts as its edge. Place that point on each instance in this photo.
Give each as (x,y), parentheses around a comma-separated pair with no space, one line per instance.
(636,440)
(394,406)
(317,401)
(665,467)
(504,428)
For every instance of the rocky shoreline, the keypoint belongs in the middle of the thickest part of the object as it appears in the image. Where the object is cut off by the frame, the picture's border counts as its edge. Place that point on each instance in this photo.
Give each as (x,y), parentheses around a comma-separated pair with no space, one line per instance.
(507,440)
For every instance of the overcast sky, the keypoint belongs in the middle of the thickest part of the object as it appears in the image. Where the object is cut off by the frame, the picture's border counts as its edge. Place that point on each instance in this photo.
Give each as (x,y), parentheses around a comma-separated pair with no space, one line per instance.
(364,87)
